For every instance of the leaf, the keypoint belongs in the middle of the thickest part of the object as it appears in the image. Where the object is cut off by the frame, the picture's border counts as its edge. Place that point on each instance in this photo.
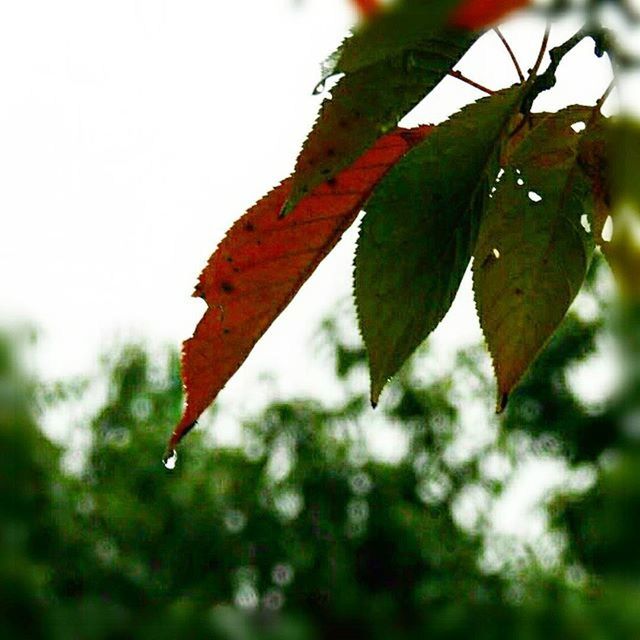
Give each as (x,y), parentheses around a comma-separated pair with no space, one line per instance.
(368,103)
(263,261)
(611,158)
(532,253)
(419,232)
(406,24)
(367,8)
(478,14)
(397,29)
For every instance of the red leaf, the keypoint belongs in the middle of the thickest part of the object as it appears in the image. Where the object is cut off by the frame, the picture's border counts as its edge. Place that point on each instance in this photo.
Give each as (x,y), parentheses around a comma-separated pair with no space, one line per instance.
(367,8)
(264,260)
(478,14)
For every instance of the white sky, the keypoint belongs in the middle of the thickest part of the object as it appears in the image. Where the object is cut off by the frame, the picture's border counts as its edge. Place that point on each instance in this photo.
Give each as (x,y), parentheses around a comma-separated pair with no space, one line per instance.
(132,134)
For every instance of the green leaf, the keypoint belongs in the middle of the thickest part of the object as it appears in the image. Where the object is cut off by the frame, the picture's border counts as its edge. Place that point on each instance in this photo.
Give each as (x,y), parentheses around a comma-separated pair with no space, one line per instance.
(612,161)
(419,232)
(402,27)
(533,252)
(368,103)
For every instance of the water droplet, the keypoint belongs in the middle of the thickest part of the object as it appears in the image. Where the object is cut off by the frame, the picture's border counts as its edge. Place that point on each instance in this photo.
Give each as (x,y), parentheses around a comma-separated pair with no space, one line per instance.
(584,221)
(496,253)
(520,182)
(535,197)
(170,459)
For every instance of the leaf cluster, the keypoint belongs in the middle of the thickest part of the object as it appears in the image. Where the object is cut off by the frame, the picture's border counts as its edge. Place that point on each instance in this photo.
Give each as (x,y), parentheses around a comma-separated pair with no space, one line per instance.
(526,197)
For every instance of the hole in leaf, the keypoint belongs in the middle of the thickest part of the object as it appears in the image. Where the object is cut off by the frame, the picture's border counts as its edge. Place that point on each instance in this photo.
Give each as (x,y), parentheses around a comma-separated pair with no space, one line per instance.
(535,197)
(578,126)
(607,229)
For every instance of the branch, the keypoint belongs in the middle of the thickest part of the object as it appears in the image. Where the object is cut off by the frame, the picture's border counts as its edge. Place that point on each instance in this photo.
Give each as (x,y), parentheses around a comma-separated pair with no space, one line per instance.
(547,80)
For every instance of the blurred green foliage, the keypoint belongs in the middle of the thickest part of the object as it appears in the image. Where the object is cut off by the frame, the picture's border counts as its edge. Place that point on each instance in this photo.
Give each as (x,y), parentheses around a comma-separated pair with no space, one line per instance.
(300,532)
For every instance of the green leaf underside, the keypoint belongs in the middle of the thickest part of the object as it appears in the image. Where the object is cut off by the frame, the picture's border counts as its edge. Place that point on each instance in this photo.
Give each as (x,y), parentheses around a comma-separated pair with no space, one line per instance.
(398,29)
(532,257)
(368,103)
(419,232)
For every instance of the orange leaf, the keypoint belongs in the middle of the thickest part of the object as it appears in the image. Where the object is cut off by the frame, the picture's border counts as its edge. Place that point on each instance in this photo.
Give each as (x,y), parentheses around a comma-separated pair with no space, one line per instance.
(478,14)
(264,260)
(367,8)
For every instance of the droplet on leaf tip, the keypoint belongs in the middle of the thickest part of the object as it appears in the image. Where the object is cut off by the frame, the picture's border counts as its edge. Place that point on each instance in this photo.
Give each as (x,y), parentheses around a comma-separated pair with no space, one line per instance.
(170,459)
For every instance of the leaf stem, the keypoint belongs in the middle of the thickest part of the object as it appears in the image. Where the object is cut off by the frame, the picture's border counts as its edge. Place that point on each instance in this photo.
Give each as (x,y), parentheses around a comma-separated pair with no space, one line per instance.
(511,53)
(605,95)
(543,50)
(457,74)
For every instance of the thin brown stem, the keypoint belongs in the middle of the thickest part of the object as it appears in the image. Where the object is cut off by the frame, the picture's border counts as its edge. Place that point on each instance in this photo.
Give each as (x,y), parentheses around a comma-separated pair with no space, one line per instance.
(473,83)
(543,50)
(512,55)
(605,95)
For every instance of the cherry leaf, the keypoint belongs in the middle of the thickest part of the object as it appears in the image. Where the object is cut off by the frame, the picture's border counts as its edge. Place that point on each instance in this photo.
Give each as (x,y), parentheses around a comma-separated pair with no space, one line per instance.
(533,252)
(419,232)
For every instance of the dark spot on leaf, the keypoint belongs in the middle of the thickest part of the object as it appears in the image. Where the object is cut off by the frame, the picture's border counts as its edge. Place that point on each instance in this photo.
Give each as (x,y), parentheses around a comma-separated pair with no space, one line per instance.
(332,182)
(519,292)
(331,153)
(249,226)
(229,259)
(227,287)
(226,331)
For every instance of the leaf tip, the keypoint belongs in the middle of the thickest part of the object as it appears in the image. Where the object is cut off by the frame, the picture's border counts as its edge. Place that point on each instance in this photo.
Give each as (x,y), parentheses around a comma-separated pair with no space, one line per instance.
(501,405)
(184,426)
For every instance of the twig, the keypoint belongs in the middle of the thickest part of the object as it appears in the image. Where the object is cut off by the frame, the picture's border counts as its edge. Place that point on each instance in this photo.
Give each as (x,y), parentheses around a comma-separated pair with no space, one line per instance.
(605,95)
(463,78)
(547,80)
(543,50)
(512,55)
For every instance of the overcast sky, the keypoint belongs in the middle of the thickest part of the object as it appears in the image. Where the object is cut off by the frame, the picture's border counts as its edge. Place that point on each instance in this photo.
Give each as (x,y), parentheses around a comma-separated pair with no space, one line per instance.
(133,132)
